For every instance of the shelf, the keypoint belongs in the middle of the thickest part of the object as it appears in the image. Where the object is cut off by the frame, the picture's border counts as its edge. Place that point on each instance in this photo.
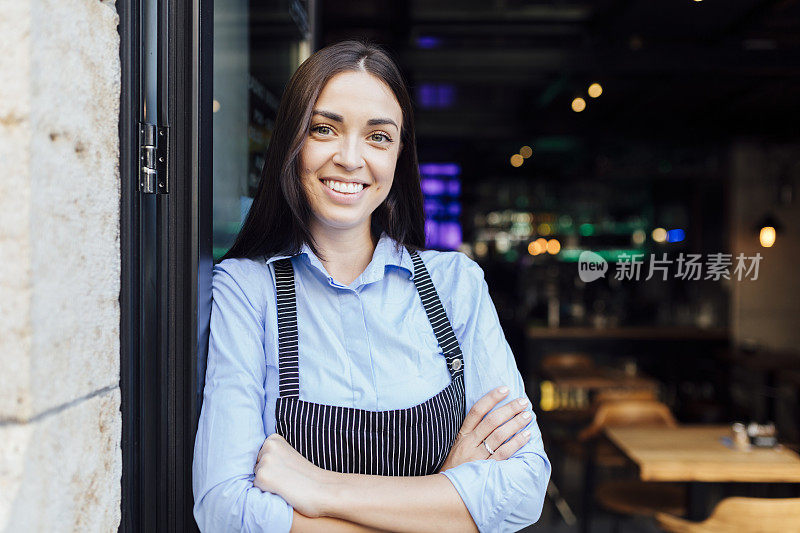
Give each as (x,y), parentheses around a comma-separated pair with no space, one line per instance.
(646,333)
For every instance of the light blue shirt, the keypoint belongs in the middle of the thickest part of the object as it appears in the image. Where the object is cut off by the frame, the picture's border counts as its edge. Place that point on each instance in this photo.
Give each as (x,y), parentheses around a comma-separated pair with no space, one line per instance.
(367,345)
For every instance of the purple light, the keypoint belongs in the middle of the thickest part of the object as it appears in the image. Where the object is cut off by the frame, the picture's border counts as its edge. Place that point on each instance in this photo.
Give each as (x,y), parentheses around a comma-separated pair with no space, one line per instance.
(432,186)
(434,95)
(432,207)
(431,232)
(428,41)
(447,95)
(440,169)
(454,187)
(441,187)
(450,235)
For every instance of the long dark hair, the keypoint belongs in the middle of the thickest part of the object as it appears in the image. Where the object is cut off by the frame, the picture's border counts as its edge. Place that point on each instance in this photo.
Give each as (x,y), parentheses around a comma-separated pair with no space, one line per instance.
(278,220)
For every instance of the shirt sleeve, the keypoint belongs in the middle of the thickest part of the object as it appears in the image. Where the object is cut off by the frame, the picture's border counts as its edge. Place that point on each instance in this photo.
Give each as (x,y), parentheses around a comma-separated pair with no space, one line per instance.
(231,428)
(503,495)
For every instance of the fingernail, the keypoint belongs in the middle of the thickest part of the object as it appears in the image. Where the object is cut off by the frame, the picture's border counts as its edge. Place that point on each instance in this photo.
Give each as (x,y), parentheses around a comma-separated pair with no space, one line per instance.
(502,390)
(526,415)
(526,433)
(523,401)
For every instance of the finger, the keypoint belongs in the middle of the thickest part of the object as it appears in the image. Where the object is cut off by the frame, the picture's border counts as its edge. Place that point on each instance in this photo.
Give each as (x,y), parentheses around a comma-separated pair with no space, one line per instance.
(512,445)
(499,416)
(481,407)
(507,430)
(262,450)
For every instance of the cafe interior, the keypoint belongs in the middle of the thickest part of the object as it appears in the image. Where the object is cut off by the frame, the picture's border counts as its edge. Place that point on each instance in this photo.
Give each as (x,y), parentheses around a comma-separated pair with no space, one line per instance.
(626,173)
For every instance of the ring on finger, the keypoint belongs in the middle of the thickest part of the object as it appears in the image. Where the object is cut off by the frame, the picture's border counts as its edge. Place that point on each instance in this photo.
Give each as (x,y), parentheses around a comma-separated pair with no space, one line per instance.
(491,451)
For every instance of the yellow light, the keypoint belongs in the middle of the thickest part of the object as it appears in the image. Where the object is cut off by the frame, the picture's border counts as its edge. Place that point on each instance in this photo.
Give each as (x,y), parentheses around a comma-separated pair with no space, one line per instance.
(526,151)
(547,398)
(534,248)
(481,249)
(578,104)
(215,106)
(659,235)
(595,90)
(516,160)
(553,246)
(638,236)
(544,228)
(542,242)
(767,236)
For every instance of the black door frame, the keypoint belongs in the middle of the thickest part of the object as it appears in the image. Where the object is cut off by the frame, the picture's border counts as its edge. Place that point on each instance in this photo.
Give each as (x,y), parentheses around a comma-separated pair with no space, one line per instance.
(165,240)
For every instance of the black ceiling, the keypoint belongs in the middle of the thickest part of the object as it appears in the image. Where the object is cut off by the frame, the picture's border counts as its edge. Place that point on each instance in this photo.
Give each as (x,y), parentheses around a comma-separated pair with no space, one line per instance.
(680,71)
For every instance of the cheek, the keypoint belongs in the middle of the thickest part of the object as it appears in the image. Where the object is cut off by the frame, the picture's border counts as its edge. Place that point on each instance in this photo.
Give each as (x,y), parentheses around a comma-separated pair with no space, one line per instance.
(384,173)
(312,157)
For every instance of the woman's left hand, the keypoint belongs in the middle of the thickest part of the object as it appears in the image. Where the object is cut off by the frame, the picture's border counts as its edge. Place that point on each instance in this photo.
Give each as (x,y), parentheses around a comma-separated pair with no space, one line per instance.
(281,469)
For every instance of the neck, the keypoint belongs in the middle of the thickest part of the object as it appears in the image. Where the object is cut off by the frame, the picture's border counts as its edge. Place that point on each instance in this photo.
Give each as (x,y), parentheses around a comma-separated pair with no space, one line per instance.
(346,252)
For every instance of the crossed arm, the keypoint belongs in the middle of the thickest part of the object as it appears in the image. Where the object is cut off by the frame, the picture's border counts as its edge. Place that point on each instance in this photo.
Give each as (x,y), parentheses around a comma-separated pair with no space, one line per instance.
(353,502)
(479,494)
(376,503)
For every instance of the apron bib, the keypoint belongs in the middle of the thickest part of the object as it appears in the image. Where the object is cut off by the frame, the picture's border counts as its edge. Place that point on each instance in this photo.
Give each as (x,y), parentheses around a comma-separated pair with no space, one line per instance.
(400,442)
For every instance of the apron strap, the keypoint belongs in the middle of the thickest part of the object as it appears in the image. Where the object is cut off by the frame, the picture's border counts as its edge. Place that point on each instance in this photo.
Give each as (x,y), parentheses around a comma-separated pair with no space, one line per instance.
(437,317)
(288,367)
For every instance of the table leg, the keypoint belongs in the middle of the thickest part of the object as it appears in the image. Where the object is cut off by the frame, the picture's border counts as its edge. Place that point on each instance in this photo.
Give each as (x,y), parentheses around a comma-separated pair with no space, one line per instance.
(697,500)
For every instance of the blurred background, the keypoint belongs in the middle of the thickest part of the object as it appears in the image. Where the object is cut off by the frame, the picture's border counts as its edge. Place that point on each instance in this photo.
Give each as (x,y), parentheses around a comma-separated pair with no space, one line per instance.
(646,129)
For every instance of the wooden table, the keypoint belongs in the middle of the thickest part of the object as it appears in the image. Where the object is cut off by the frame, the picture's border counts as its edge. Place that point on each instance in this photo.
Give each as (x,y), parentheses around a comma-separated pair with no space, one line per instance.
(695,454)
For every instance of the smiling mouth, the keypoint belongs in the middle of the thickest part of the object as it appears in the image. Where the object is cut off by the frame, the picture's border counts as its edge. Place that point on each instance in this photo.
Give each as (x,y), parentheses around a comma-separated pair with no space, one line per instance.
(343,187)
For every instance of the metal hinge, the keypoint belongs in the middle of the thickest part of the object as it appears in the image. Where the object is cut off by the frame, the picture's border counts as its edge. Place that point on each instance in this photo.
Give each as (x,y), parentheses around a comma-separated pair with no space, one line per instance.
(153,158)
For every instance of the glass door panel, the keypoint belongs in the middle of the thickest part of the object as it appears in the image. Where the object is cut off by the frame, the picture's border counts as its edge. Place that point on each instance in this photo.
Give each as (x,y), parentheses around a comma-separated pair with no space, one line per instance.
(257,47)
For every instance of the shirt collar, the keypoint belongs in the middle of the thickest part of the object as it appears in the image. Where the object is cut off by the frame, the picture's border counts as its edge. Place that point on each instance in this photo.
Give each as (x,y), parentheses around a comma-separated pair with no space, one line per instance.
(385,254)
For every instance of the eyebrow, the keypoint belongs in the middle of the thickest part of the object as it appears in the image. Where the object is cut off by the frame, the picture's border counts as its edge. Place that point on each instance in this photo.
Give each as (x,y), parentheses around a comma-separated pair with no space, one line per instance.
(338,118)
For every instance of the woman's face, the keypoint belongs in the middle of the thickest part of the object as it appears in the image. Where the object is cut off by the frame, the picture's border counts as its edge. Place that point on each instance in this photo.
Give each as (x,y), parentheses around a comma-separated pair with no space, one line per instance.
(348,159)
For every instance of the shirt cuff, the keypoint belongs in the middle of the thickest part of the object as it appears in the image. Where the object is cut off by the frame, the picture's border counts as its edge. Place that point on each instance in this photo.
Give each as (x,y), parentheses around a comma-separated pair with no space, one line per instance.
(486,491)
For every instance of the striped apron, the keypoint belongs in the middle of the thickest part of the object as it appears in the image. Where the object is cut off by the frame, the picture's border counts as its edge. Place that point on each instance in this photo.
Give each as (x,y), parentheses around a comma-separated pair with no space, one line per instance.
(400,442)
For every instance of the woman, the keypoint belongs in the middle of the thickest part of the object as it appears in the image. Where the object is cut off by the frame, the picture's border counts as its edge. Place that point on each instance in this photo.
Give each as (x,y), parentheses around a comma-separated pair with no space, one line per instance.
(350,371)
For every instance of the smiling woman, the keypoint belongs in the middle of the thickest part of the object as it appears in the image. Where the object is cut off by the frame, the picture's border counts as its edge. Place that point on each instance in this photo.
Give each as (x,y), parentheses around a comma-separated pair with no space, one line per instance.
(348,161)
(321,412)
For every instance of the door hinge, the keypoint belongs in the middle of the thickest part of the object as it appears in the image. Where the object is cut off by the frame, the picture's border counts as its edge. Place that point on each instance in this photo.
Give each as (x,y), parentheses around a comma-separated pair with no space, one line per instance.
(153,158)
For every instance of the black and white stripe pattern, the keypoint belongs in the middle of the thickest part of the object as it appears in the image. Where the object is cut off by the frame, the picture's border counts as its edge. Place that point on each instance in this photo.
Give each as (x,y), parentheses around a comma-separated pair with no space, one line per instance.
(289,374)
(401,442)
(437,316)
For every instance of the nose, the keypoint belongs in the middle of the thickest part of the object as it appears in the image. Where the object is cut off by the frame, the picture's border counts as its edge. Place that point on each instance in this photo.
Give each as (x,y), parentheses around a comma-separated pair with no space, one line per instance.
(348,155)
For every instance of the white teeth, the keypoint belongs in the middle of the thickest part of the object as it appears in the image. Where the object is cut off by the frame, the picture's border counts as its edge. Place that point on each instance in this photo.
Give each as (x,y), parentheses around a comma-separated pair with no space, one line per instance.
(347,188)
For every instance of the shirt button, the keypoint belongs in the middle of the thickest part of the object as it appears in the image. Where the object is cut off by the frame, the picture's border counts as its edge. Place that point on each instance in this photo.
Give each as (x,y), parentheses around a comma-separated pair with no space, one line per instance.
(456,364)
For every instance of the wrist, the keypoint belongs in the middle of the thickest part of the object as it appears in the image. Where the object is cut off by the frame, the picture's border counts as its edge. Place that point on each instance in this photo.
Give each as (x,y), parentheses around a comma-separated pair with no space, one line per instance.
(330,491)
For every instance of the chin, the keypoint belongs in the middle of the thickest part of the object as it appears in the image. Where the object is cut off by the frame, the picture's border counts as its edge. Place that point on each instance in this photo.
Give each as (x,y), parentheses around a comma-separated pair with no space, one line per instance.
(341,223)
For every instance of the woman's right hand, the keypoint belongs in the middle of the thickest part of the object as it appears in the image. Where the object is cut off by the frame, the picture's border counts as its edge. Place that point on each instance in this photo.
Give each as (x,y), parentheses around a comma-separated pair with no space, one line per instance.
(495,428)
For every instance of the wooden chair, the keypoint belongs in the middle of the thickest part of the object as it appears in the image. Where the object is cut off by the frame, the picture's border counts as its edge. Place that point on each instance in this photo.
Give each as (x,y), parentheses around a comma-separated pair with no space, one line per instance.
(737,514)
(628,412)
(626,497)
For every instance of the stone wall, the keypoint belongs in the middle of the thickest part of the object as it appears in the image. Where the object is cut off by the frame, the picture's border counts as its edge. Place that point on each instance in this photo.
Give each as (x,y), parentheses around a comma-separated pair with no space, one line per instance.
(60,423)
